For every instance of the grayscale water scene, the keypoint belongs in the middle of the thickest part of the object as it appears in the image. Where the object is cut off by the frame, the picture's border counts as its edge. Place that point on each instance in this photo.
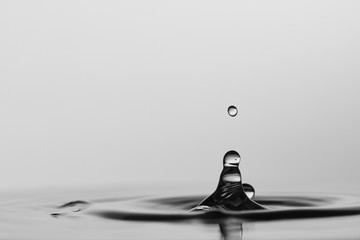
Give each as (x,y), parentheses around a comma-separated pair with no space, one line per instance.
(179,120)
(229,212)
(47,215)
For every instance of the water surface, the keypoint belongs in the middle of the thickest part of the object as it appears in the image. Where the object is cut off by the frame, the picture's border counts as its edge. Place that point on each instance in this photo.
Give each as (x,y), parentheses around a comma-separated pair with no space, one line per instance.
(130,213)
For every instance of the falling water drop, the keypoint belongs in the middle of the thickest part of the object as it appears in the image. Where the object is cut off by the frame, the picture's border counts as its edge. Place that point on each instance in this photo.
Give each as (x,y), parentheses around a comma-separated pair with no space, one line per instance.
(232,111)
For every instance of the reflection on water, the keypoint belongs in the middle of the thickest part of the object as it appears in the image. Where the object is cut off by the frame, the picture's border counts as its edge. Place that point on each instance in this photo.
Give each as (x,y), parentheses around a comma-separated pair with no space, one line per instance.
(303,209)
(233,211)
(128,215)
(231,229)
(230,210)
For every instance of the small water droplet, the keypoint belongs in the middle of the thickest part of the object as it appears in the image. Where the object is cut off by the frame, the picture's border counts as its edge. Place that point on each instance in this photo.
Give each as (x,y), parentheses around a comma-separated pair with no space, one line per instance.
(232,111)
(249,190)
(232,159)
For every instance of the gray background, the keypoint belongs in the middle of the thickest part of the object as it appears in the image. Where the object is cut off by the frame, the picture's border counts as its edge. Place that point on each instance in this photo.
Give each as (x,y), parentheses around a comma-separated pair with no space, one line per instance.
(136,92)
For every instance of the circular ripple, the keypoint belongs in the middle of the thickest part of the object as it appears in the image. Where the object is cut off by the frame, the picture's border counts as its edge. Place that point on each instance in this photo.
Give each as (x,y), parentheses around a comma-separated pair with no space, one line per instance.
(278,208)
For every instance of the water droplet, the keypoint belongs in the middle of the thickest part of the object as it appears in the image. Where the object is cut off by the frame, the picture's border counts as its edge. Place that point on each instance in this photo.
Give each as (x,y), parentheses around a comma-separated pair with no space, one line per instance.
(230,193)
(232,111)
(232,159)
(249,190)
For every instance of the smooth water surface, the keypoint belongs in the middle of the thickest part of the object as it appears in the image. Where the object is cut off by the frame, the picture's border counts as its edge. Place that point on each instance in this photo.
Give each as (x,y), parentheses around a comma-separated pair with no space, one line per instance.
(140,213)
